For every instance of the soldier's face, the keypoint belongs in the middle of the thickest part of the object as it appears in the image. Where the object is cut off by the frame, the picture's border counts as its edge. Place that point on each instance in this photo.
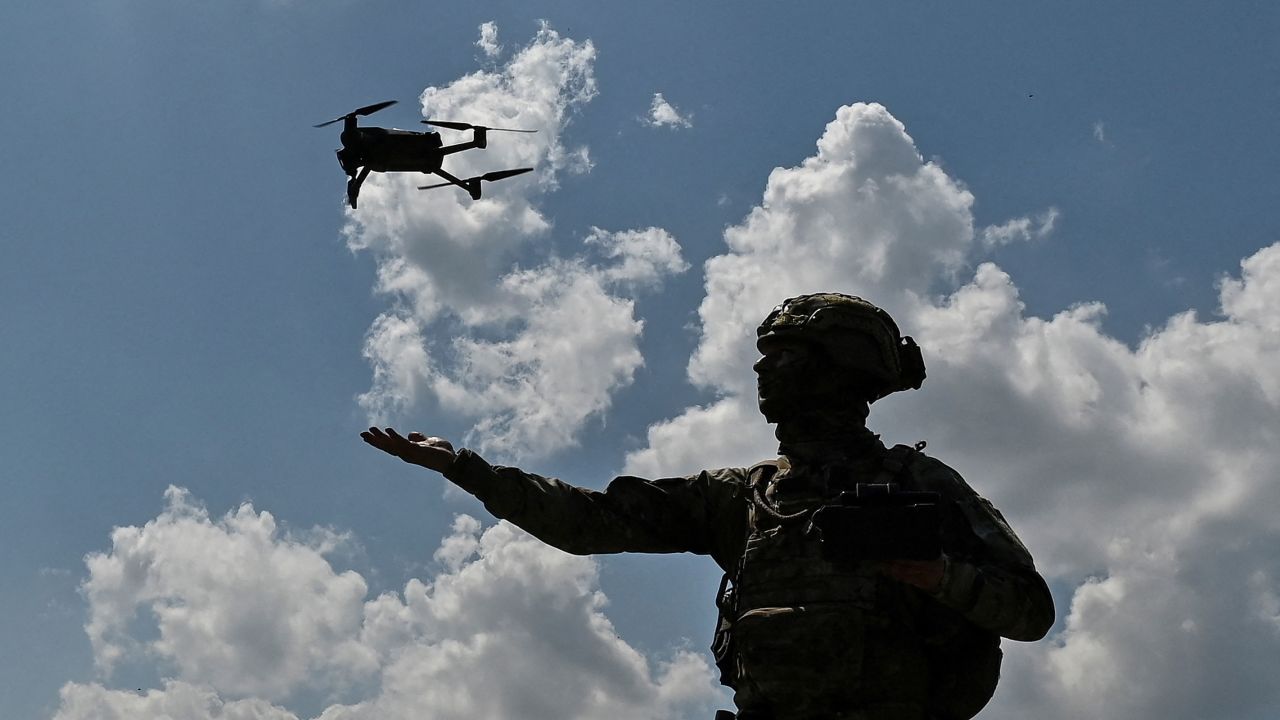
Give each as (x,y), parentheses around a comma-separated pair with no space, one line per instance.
(780,354)
(786,379)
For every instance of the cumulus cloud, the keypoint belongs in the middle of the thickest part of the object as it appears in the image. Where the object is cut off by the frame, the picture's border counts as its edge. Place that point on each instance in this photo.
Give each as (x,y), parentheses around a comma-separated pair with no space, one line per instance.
(645,256)
(1141,477)
(509,627)
(488,42)
(1020,229)
(663,114)
(568,341)
(575,345)
(534,352)
(234,602)
(517,630)
(176,701)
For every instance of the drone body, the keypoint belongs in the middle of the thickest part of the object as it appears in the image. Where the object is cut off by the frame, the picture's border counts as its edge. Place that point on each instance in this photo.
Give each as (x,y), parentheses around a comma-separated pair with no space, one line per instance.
(374,149)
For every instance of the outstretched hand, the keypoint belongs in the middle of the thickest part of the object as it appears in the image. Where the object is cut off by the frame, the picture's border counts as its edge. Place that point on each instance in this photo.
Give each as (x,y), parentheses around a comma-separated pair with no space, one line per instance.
(432,453)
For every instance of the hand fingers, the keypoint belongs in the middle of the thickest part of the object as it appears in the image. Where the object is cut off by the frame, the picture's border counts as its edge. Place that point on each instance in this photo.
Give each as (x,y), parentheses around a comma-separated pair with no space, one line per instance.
(409,448)
(380,439)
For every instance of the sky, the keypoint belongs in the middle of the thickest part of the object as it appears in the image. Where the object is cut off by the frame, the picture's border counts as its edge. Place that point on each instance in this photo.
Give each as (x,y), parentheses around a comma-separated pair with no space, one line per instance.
(1070,207)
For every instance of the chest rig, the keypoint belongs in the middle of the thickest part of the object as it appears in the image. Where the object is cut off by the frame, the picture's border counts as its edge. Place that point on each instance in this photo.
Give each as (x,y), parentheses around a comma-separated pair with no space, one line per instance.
(816,634)
(798,625)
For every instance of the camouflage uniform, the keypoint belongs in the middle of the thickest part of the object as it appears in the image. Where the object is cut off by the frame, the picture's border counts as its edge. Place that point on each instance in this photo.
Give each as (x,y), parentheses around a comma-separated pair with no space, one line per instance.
(811,639)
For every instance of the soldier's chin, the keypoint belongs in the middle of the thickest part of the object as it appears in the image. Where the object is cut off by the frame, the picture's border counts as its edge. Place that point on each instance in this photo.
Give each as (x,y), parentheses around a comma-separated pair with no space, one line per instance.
(775,409)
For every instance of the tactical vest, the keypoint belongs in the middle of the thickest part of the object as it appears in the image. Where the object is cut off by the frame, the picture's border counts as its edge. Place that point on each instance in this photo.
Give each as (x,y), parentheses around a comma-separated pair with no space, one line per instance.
(801,631)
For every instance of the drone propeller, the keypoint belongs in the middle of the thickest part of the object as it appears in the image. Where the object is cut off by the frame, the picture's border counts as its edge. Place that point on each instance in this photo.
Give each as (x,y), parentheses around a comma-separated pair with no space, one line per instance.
(487,177)
(468,126)
(502,174)
(366,110)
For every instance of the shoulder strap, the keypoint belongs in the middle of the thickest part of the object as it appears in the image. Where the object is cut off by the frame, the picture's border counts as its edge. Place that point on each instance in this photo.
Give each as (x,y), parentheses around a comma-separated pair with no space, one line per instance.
(758,477)
(895,463)
(762,472)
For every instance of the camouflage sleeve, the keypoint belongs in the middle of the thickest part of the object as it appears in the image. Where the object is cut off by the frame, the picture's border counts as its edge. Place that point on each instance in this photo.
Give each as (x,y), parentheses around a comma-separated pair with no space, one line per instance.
(687,514)
(990,577)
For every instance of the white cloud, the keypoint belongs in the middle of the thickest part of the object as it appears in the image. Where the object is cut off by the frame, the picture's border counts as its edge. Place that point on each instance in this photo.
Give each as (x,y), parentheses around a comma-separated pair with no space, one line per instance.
(509,627)
(1142,478)
(1100,132)
(575,345)
(647,256)
(663,114)
(732,434)
(176,701)
(1023,229)
(488,42)
(568,341)
(234,604)
(537,351)
(402,368)
(517,631)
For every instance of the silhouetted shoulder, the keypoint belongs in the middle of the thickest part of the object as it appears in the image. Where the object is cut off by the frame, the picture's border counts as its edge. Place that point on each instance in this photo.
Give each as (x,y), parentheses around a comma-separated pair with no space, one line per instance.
(983,520)
(930,473)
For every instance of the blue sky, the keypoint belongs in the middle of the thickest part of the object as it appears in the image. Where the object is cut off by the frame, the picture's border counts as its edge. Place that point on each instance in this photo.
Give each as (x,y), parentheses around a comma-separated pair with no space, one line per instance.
(187,303)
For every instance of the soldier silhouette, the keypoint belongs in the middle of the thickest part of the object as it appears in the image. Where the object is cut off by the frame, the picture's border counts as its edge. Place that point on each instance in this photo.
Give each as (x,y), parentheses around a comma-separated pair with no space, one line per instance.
(861,582)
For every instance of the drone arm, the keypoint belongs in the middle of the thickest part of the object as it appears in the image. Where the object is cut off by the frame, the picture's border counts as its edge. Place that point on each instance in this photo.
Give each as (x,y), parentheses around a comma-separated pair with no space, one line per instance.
(453,180)
(479,139)
(471,185)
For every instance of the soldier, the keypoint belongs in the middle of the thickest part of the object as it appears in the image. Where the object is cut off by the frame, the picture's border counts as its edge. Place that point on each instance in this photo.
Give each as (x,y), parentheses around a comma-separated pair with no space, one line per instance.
(860,582)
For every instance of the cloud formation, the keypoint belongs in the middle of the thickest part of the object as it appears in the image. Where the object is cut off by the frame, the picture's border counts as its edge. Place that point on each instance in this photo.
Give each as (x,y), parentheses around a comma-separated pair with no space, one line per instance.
(488,42)
(235,603)
(664,114)
(575,344)
(248,616)
(1021,229)
(175,701)
(534,351)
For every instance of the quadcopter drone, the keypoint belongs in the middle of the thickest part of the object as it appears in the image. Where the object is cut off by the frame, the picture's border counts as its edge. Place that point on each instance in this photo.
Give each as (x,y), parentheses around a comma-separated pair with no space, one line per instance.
(375,149)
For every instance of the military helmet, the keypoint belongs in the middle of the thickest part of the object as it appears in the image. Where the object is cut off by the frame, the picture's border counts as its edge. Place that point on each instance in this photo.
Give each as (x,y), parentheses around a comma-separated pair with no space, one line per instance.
(855,334)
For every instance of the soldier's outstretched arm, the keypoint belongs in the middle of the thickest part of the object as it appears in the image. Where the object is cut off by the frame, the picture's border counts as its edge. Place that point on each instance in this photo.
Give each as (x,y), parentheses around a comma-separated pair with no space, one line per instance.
(690,514)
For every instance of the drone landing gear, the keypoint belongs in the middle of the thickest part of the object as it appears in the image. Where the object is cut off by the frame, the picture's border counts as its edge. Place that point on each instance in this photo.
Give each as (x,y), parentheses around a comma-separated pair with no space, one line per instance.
(353,187)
